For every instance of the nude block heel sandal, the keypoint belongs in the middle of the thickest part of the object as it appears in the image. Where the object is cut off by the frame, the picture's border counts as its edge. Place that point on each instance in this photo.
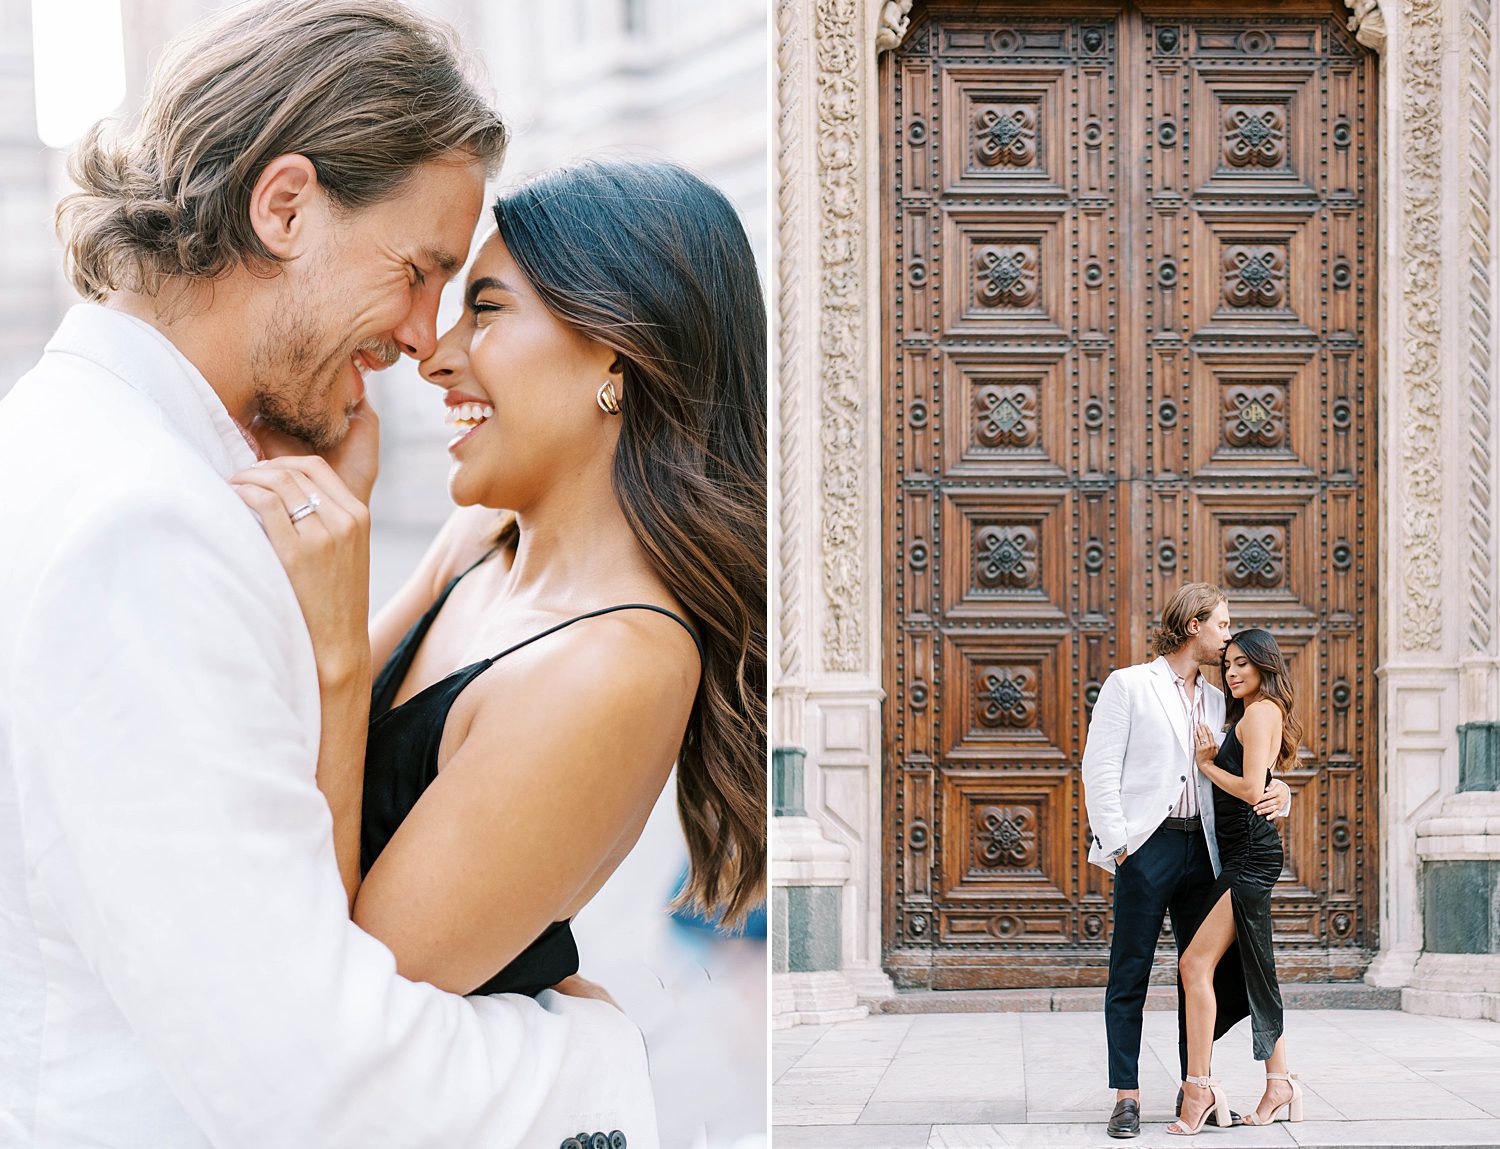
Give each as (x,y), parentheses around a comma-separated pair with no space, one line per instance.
(1218,1108)
(1293,1105)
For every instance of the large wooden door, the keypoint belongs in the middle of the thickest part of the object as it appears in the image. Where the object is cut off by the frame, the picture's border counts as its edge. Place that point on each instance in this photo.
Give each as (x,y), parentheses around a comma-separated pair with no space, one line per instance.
(1129,294)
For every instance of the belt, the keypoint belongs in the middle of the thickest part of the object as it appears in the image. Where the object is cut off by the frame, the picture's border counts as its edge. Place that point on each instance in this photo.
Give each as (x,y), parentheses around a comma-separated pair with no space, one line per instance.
(1191,825)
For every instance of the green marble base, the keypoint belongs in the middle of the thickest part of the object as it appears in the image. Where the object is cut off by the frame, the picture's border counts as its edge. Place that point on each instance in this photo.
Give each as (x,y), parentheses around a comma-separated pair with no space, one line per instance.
(804,929)
(786,782)
(1479,756)
(1461,907)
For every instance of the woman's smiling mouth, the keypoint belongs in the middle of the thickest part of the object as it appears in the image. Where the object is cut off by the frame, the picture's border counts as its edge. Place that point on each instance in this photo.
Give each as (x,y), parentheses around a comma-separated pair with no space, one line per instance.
(467,418)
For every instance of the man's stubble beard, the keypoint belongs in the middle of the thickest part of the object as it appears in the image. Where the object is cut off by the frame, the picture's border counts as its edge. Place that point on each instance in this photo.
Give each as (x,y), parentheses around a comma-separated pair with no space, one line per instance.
(292,379)
(1210,654)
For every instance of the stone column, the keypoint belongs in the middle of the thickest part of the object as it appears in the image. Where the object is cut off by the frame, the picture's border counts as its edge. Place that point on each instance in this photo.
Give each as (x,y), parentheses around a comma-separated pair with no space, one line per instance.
(1440,810)
(808,876)
(1458,846)
(1458,973)
(33,293)
(1422,552)
(826,512)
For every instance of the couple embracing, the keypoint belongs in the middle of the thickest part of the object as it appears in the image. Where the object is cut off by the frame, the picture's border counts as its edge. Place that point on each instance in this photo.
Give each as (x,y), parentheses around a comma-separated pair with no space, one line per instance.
(1179,784)
(272,874)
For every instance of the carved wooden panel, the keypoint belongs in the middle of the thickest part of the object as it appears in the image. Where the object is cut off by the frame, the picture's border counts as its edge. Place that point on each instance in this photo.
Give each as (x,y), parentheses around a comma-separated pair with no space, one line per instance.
(1129,297)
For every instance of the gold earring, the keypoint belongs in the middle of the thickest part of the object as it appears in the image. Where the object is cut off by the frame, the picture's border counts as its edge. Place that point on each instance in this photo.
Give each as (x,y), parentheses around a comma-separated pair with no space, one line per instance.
(605,396)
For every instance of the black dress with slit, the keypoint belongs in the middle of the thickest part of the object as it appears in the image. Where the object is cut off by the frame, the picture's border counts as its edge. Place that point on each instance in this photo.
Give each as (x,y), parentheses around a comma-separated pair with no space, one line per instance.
(401,761)
(1250,861)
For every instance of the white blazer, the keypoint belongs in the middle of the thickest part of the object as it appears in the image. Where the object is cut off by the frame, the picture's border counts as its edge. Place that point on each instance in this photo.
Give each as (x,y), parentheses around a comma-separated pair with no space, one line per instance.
(1136,758)
(177,965)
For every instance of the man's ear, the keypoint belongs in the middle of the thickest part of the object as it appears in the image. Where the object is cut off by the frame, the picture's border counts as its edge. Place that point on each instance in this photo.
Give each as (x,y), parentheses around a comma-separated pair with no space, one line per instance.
(284,198)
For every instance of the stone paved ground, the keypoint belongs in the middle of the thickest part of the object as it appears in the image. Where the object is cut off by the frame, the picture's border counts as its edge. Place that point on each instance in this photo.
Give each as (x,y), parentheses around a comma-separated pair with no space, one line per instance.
(976,1080)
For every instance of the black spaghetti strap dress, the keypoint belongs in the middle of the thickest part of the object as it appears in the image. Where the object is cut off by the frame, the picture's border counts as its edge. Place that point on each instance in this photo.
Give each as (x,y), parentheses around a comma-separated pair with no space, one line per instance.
(401,761)
(1250,860)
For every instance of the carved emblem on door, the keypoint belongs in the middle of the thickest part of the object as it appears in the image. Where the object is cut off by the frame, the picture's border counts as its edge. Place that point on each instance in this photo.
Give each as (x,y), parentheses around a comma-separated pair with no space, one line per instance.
(1005,558)
(1005,836)
(1005,418)
(1007,697)
(1006,135)
(1255,135)
(1254,557)
(1254,416)
(1006,276)
(1254,276)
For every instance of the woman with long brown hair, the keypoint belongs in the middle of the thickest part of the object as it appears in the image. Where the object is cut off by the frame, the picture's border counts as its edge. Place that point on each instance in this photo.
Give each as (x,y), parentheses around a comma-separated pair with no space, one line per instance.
(593,612)
(1262,735)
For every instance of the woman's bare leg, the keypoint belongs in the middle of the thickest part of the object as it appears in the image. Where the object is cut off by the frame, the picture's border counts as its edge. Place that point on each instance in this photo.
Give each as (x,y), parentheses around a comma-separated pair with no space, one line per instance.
(1278,1092)
(1197,966)
(1276,1063)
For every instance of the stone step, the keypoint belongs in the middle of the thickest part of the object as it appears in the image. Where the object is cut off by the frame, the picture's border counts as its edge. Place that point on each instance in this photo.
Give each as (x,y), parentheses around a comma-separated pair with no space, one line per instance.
(1295,995)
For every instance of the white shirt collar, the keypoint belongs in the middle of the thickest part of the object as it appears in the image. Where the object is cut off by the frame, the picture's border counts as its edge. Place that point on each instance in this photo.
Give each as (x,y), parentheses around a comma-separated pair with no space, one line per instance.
(149,362)
(1166,667)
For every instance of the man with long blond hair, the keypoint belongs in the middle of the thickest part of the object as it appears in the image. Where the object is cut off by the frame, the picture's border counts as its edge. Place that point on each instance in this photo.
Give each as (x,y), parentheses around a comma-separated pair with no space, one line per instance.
(1151,815)
(178,967)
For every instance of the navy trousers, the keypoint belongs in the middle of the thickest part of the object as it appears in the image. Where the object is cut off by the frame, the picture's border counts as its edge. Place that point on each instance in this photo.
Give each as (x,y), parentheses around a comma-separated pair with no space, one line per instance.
(1170,873)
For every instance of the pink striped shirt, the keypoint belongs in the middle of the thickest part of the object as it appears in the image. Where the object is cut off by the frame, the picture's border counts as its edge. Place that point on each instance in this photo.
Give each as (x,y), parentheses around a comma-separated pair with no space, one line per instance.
(1187,804)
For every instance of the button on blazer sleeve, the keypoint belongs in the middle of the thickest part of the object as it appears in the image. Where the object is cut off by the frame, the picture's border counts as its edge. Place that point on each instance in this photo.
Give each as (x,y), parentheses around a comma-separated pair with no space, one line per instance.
(175,825)
(1103,761)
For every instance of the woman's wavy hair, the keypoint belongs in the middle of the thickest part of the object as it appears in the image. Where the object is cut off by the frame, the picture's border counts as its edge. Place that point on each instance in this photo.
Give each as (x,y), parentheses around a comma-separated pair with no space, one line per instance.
(652,262)
(1193,600)
(1275,683)
(367,90)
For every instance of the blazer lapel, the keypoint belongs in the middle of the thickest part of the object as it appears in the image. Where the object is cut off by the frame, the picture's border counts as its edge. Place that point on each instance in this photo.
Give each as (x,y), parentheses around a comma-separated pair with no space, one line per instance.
(1171,702)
